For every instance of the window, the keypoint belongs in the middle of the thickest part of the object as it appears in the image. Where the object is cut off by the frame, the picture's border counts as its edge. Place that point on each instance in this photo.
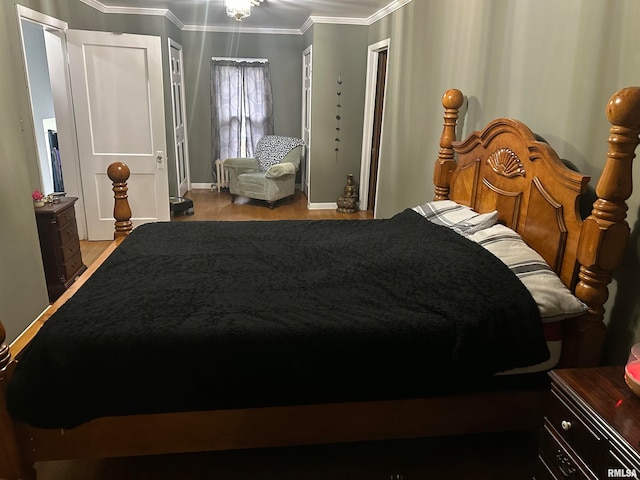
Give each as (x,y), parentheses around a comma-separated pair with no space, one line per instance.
(241,106)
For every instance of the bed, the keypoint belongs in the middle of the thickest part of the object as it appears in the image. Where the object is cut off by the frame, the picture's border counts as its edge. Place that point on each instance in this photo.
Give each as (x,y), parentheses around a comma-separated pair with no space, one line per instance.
(503,176)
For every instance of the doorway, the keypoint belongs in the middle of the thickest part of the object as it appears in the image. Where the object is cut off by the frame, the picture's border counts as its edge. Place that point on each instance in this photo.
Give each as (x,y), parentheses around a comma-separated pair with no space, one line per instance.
(86,126)
(44,53)
(373,123)
(179,118)
(307,74)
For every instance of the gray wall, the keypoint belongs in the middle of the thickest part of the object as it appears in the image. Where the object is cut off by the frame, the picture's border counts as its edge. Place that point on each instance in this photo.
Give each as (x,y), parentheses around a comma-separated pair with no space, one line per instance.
(337,49)
(284,53)
(23,293)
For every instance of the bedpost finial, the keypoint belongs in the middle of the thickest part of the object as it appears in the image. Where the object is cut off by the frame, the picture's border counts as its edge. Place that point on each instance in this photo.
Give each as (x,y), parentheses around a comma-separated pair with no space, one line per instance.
(623,108)
(118,172)
(452,99)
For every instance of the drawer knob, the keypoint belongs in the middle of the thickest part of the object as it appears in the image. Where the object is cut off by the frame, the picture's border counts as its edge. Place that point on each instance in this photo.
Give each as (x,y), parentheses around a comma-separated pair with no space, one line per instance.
(566,425)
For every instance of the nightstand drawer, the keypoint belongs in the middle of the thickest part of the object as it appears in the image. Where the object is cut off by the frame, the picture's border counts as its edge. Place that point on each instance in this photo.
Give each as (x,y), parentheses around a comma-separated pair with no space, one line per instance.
(543,470)
(559,461)
(571,426)
(592,426)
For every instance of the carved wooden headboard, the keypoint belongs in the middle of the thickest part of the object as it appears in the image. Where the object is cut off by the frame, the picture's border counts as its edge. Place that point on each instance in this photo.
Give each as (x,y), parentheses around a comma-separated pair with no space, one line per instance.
(505,168)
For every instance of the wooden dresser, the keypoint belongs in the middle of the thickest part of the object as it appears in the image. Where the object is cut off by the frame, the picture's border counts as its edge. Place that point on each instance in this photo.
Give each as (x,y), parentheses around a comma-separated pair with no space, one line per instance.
(59,245)
(592,429)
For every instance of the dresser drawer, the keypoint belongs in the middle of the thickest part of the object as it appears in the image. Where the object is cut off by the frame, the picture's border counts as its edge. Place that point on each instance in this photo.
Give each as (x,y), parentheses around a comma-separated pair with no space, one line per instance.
(571,426)
(70,248)
(67,232)
(72,267)
(64,217)
(559,461)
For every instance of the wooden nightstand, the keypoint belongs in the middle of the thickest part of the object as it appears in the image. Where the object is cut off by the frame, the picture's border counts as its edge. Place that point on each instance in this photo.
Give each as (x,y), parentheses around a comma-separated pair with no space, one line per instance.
(592,429)
(59,245)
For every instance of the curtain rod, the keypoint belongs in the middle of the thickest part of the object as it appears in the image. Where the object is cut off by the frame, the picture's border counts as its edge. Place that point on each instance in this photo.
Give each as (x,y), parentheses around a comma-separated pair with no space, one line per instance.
(230,59)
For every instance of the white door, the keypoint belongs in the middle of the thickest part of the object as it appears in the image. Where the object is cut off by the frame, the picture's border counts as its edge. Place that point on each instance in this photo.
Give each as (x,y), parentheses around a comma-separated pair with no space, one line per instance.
(306,115)
(116,81)
(179,122)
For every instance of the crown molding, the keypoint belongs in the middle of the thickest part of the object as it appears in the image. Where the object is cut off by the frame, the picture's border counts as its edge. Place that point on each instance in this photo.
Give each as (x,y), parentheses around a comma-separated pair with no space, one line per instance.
(388,10)
(241,29)
(159,12)
(339,20)
(95,4)
(168,14)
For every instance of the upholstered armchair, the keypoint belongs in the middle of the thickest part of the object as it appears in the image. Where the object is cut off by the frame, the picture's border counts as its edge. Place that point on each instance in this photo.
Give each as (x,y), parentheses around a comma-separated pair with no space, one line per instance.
(271,175)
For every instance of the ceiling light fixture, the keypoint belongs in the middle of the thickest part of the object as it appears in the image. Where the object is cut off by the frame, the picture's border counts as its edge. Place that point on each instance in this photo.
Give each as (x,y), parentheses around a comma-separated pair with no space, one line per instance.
(240,9)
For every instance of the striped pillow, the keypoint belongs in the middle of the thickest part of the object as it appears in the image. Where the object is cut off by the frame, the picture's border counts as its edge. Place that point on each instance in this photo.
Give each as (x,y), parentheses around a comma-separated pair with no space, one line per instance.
(554,300)
(458,217)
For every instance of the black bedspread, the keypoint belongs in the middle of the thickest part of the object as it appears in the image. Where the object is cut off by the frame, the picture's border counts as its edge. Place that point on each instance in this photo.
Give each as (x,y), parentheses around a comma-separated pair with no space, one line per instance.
(205,315)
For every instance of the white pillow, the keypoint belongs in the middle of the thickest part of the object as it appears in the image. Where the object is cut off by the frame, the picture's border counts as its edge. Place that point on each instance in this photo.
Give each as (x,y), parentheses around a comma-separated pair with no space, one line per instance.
(555,301)
(458,217)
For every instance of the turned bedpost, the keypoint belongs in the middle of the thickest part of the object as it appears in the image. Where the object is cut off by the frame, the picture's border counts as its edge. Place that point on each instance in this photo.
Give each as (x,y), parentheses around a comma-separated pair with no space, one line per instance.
(605,233)
(118,172)
(452,100)
(12,464)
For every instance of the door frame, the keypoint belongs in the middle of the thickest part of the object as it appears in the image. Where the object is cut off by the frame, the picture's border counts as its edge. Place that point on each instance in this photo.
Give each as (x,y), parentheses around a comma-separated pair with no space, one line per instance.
(369,113)
(307,98)
(177,46)
(65,123)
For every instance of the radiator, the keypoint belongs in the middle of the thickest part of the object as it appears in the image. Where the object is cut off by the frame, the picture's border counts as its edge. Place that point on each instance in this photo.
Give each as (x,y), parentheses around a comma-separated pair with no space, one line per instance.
(222,176)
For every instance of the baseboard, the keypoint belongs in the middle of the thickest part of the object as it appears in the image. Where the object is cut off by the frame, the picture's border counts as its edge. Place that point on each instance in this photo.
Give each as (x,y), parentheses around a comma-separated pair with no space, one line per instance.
(323,206)
(202,186)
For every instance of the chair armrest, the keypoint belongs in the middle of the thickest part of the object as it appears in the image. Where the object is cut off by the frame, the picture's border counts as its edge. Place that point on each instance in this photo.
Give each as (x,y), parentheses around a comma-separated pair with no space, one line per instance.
(281,169)
(248,162)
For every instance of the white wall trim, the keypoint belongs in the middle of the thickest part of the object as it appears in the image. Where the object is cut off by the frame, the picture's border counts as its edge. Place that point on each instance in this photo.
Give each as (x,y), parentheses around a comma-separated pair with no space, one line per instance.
(369,109)
(339,20)
(169,15)
(239,59)
(388,10)
(28,14)
(202,186)
(240,29)
(323,206)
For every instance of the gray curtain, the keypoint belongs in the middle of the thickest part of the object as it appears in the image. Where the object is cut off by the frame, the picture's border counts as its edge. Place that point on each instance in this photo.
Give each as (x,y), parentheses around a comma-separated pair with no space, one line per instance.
(239,90)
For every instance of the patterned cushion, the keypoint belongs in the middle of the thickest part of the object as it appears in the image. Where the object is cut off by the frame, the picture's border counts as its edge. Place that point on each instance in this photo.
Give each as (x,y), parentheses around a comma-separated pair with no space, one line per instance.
(555,301)
(271,149)
(459,218)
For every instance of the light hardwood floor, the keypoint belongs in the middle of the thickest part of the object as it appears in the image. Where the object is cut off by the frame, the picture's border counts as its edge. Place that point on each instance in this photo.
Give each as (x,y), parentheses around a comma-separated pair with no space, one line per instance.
(213,205)
(496,456)
(218,206)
